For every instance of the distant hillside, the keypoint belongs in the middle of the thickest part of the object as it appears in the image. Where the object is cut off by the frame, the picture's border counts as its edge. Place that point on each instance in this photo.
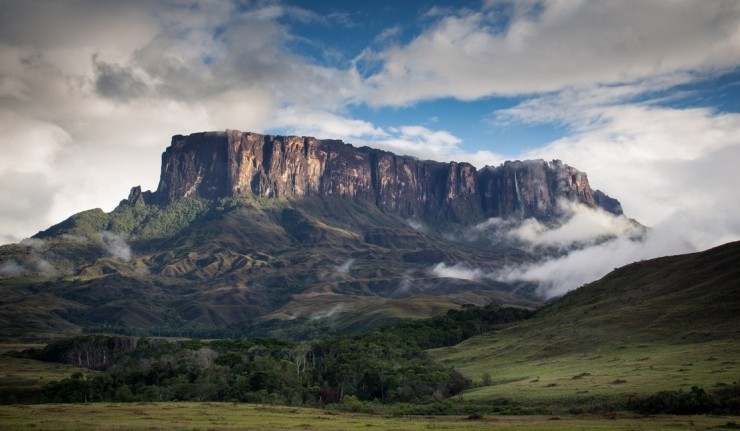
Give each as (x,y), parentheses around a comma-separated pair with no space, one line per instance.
(666,323)
(220,268)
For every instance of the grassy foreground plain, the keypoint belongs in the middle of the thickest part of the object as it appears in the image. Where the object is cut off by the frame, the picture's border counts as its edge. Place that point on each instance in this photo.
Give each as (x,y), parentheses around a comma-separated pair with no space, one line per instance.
(22,373)
(227,416)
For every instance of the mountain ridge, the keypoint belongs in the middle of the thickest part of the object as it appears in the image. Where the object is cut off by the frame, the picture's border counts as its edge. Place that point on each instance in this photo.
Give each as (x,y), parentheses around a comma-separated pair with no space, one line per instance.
(214,165)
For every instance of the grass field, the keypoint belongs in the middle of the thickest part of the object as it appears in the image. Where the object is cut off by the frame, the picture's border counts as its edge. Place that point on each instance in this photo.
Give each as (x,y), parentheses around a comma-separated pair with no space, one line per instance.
(618,371)
(20,373)
(226,416)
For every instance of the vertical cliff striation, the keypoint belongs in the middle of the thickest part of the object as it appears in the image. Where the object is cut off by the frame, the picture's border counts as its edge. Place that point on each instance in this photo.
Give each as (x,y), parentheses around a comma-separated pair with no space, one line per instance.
(213,165)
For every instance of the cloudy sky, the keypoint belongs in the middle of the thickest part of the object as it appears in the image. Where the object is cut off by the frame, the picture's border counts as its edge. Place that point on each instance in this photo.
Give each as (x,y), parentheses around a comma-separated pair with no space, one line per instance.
(642,95)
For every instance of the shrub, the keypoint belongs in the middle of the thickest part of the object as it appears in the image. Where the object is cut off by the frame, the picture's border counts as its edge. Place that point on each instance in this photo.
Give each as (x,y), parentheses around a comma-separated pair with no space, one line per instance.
(351,403)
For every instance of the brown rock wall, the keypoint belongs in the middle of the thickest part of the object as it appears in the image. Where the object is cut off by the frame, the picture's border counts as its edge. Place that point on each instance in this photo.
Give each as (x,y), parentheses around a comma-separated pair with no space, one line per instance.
(213,165)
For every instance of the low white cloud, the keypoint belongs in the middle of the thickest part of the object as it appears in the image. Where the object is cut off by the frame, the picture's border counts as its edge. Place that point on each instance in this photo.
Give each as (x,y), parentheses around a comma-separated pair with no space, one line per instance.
(34,260)
(559,275)
(344,267)
(458,270)
(12,268)
(116,246)
(35,244)
(578,225)
(556,275)
(583,246)
(416,225)
(583,225)
(404,286)
(326,314)
(591,243)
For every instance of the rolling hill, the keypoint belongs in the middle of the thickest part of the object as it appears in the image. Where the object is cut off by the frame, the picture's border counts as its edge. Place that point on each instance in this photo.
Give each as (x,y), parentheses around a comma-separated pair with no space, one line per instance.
(662,324)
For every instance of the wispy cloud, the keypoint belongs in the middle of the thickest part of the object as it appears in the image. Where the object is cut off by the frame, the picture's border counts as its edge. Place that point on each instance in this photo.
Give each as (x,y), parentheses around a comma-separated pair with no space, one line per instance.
(327,314)
(584,246)
(458,270)
(345,266)
(12,268)
(116,246)
(578,225)
(559,275)
(34,260)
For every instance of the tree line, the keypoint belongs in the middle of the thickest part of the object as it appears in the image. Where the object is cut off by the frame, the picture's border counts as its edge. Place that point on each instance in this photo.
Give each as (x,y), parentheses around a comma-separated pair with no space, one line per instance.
(388,365)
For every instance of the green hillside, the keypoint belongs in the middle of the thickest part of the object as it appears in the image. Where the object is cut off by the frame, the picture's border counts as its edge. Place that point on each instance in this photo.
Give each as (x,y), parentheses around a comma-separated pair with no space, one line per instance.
(228,268)
(664,324)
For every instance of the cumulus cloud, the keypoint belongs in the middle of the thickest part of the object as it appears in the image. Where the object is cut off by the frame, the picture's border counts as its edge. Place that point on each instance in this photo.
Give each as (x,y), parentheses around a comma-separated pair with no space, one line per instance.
(629,147)
(427,143)
(91,91)
(514,47)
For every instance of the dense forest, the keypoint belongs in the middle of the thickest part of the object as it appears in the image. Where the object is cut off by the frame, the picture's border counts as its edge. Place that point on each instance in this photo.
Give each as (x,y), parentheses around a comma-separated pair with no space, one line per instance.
(387,366)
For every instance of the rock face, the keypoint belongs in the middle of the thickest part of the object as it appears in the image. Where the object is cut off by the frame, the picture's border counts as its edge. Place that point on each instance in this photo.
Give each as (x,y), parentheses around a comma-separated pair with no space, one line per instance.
(213,165)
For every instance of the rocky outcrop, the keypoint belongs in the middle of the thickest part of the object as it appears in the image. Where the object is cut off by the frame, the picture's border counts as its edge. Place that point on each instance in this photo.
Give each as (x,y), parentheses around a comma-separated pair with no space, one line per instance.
(219,164)
(610,204)
(532,188)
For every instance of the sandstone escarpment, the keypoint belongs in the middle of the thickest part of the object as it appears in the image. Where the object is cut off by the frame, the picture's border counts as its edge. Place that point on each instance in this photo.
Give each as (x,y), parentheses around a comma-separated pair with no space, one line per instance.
(219,164)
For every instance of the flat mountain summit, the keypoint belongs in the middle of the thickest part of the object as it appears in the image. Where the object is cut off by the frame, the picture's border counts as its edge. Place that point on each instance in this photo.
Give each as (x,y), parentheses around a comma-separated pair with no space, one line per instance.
(283,236)
(215,165)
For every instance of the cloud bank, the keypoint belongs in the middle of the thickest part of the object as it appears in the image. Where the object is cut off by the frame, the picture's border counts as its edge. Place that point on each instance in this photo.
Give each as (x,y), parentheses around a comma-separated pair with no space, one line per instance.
(587,244)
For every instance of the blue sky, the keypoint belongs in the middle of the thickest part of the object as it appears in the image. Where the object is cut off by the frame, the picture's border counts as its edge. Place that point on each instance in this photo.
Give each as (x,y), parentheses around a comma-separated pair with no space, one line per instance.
(643,96)
(353,28)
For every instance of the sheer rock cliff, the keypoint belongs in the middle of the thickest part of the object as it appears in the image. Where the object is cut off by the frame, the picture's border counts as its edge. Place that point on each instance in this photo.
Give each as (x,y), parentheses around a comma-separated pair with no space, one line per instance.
(214,165)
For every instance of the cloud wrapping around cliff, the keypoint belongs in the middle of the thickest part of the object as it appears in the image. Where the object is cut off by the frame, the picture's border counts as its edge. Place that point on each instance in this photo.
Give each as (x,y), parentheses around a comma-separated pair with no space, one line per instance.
(584,246)
(577,225)
(558,275)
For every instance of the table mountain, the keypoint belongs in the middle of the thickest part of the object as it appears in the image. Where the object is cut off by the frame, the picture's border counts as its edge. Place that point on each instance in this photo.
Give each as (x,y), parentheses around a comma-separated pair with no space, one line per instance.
(215,165)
